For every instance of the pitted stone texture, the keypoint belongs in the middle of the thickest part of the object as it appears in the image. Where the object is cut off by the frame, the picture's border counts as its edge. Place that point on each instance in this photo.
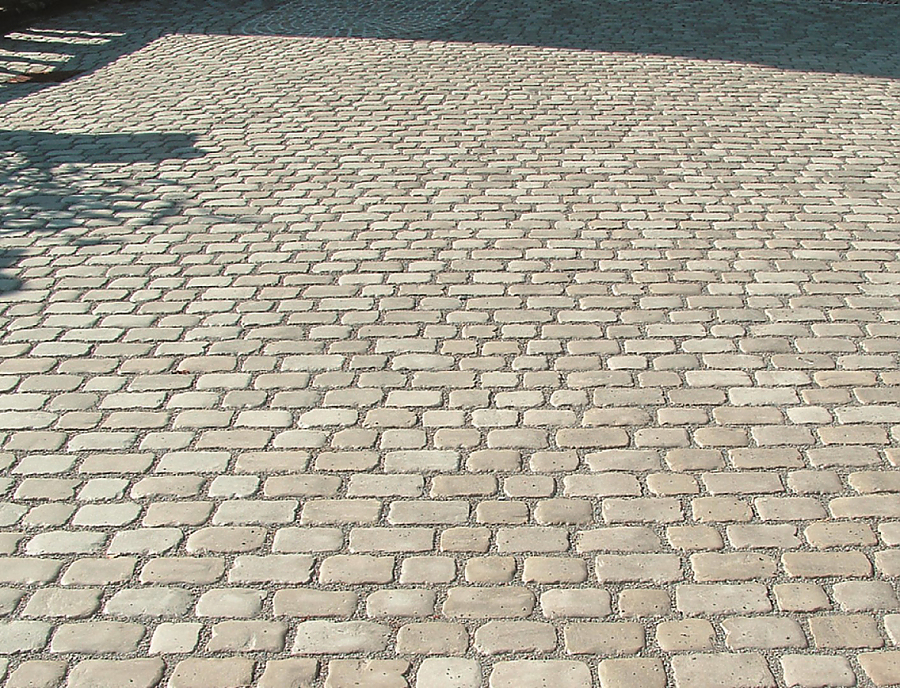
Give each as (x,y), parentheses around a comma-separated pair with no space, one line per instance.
(529,673)
(440,672)
(378,673)
(212,673)
(731,671)
(111,673)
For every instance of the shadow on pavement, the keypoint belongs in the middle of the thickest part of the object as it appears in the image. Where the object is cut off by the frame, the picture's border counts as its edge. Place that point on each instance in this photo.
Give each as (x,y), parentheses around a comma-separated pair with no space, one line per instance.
(828,36)
(63,186)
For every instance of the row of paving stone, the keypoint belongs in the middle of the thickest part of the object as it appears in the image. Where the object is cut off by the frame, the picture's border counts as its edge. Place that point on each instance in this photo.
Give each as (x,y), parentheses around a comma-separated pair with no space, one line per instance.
(439,672)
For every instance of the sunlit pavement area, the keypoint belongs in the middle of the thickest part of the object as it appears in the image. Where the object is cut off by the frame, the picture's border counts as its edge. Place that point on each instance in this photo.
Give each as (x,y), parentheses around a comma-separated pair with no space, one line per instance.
(454,344)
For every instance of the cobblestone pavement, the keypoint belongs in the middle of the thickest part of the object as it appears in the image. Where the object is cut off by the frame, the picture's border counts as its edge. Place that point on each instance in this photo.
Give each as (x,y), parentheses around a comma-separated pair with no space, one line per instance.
(452,344)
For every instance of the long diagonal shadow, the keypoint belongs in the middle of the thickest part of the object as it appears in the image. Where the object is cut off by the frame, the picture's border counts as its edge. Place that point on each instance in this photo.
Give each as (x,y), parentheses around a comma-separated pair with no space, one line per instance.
(830,36)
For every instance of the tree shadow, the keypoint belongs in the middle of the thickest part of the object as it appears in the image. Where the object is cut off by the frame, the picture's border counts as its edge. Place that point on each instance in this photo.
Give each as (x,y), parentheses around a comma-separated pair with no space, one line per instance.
(69,190)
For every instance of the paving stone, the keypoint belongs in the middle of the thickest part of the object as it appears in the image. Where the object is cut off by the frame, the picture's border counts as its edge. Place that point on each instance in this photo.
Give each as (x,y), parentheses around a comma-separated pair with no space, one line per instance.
(356,569)
(432,637)
(604,638)
(60,602)
(710,566)
(9,600)
(99,571)
(339,637)
(633,568)
(722,598)
(443,672)
(742,633)
(486,603)
(575,603)
(175,638)
(273,568)
(226,539)
(97,637)
(817,671)
(108,673)
(145,541)
(230,602)
(23,636)
(732,670)
(378,673)
(801,597)
(150,601)
(212,673)
(530,673)
(247,636)
(826,564)
(407,603)
(620,673)
(845,631)
(37,674)
(184,570)
(690,634)
(882,668)
(314,603)
(554,570)
(500,637)
(289,673)
(857,596)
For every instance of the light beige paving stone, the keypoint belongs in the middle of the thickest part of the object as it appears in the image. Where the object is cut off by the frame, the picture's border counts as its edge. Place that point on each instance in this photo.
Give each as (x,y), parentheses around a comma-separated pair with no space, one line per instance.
(576,603)
(500,637)
(9,600)
(700,670)
(619,673)
(486,603)
(651,568)
(540,673)
(845,631)
(107,673)
(148,601)
(722,598)
(175,638)
(97,637)
(443,672)
(247,636)
(639,602)
(37,674)
(289,673)
(378,673)
(339,637)
(62,602)
(857,596)
(742,633)
(432,637)
(817,671)
(23,636)
(214,673)
(690,634)
(881,667)
(604,638)
(230,602)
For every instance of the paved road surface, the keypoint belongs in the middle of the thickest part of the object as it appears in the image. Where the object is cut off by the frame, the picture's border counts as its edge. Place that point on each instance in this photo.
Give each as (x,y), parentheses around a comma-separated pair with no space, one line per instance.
(451,344)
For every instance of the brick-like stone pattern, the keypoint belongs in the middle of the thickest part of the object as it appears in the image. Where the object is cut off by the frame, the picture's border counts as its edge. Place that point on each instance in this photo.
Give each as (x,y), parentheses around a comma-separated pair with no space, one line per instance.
(451,345)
